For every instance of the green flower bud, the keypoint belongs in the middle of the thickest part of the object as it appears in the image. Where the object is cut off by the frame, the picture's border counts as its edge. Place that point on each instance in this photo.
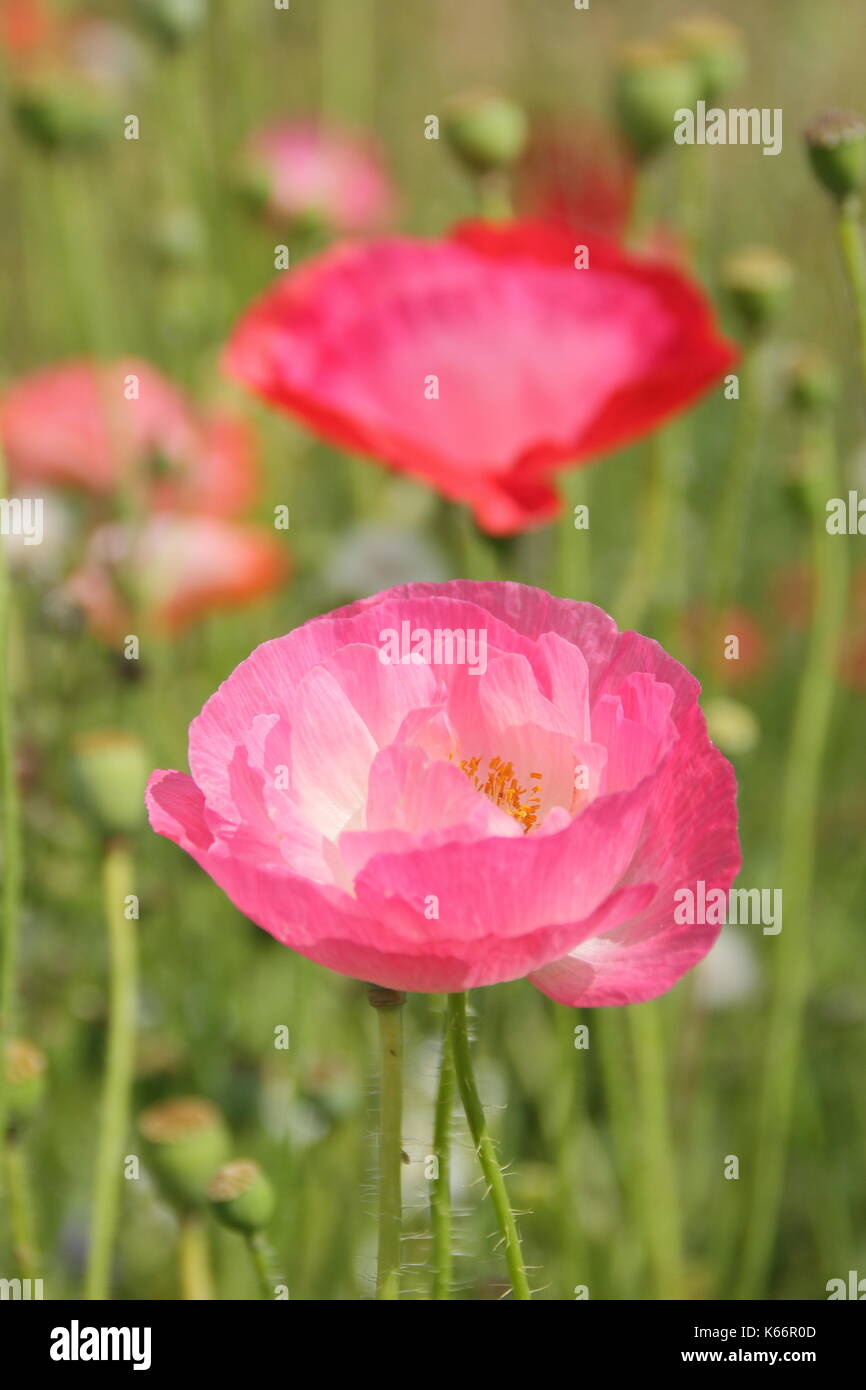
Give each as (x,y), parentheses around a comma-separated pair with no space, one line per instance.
(485,131)
(110,771)
(731,725)
(836,143)
(58,114)
(24,1070)
(186,1141)
(651,83)
(814,382)
(241,1196)
(172,22)
(757,282)
(716,52)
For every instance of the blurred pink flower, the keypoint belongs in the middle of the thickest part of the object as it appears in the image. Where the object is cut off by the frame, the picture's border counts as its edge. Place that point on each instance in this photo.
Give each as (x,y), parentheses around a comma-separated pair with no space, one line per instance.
(436,825)
(483,361)
(77,426)
(181,568)
(317,174)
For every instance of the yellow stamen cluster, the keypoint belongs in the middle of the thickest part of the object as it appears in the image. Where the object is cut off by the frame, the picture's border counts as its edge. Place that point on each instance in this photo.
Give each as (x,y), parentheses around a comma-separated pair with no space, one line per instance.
(502,787)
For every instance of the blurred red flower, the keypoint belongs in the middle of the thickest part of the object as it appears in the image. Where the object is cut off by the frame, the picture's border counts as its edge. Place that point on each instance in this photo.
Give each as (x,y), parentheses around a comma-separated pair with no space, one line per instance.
(315,174)
(703,634)
(483,361)
(181,568)
(27,27)
(103,428)
(576,171)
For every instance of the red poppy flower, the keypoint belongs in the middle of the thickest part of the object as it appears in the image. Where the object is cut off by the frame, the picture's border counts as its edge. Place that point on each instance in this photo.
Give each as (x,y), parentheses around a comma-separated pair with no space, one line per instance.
(101,427)
(577,172)
(182,567)
(26,27)
(482,362)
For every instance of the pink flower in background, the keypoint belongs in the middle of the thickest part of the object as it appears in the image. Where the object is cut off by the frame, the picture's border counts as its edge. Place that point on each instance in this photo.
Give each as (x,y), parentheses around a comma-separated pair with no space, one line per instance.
(482,362)
(181,568)
(315,174)
(77,426)
(435,824)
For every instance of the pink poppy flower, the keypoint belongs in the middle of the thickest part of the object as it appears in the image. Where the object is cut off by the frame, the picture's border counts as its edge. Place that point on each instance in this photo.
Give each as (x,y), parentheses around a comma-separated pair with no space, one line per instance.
(482,362)
(428,824)
(182,568)
(318,174)
(78,426)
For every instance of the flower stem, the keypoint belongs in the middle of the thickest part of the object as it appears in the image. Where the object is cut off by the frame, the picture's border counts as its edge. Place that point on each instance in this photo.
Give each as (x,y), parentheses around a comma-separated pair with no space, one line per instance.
(262,1257)
(657,1187)
(654,516)
(799,814)
(440,1187)
(117,876)
(854,258)
(20,1201)
(726,543)
(11,833)
(388,1004)
(484,1145)
(196,1281)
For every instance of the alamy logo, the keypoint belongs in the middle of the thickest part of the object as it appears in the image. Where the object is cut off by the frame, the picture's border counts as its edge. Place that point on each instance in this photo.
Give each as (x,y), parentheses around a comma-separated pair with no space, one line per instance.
(22,516)
(760,907)
(21,1289)
(855,1288)
(76,1343)
(739,126)
(438,646)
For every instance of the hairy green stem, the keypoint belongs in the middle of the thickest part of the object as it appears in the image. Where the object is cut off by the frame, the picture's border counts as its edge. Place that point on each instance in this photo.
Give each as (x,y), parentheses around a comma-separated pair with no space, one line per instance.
(484,1145)
(388,1004)
(800,799)
(117,876)
(440,1186)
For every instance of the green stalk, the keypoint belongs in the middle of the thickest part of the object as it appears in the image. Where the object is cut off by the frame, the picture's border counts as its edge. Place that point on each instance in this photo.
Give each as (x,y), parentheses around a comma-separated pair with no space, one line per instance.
(651,548)
(388,1004)
(440,1186)
(659,1212)
(117,876)
(193,1254)
(574,567)
(800,798)
(854,259)
(484,1145)
(21,1216)
(726,545)
(262,1257)
(11,831)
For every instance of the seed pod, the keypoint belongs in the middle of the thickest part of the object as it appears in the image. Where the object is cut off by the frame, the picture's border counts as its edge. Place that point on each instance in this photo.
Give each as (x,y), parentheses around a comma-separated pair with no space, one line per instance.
(836,143)
(486,131)
(241,1196)
(186,1141)
(110,770)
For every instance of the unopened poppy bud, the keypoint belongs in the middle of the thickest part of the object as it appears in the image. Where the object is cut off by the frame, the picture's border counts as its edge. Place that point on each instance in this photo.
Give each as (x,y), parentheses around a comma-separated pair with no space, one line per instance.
(814,383)
(731,725)
(716,52)
(186,1140)
(110,769)
(757,281)
(172,22)
(651,83)
(836,142)
(59,114)
(24,1070)
(241,1196)
(485,131)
